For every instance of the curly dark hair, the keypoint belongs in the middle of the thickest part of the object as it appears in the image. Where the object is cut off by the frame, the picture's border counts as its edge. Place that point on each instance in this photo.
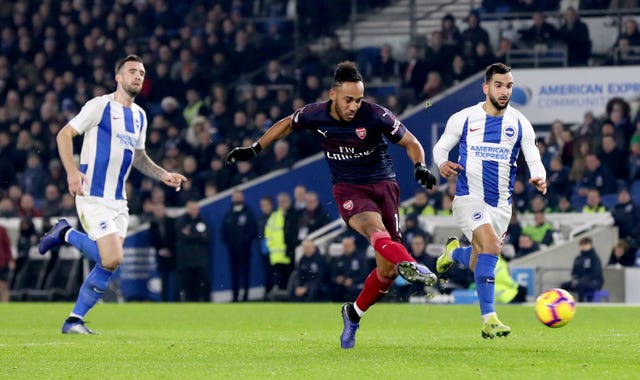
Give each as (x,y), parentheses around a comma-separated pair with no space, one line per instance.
(346,71)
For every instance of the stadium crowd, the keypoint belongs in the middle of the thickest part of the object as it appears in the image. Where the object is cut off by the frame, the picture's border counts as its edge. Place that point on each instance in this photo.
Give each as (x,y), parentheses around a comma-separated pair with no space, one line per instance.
(216,78)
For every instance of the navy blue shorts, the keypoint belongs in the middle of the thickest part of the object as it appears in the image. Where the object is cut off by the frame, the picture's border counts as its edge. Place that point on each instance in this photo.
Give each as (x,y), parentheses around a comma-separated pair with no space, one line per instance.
(382,197)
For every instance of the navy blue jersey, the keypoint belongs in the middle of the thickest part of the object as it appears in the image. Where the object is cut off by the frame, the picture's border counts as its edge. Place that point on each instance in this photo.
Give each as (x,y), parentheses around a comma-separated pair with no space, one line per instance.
(356,150)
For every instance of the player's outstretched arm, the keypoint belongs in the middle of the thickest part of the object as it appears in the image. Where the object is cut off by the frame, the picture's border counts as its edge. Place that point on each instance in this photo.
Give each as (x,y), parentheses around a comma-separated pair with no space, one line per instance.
(142,162)
(416,154)
(276,132)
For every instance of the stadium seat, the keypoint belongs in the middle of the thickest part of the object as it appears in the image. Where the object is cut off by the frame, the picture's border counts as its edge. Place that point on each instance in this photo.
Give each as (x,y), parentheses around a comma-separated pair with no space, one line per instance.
(609,201)
(61,282)
(598,296)
(634,191)
(32,275)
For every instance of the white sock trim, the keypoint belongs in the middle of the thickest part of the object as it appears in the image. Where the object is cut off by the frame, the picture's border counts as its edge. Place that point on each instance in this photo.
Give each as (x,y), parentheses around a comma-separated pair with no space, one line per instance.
(66,235)
(486,317)
(358,310)
(76,316)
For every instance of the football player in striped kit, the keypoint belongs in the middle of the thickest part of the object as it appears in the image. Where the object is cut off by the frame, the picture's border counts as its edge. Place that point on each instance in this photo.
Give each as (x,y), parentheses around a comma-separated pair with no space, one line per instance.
(114,129)
(490,135)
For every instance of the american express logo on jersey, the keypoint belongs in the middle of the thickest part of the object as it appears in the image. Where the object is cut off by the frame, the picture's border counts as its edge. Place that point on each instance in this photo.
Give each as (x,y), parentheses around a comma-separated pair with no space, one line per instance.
(127,140)
(490,151)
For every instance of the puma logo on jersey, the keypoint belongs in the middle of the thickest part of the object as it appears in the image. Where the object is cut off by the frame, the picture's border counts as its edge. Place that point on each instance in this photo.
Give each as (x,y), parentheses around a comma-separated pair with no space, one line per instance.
(323,133)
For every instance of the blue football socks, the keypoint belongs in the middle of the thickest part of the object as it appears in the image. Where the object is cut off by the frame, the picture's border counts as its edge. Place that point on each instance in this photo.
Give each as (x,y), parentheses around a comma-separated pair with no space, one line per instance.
(88,247)
(484,276)
(91,290)
(462,255)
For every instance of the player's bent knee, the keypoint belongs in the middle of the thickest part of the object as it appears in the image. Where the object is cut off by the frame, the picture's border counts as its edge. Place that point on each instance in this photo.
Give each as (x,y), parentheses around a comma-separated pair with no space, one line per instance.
(111,263)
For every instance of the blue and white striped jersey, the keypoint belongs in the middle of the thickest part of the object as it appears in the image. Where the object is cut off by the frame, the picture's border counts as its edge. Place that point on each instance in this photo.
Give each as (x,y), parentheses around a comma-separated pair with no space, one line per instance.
(489,147)
(112,133)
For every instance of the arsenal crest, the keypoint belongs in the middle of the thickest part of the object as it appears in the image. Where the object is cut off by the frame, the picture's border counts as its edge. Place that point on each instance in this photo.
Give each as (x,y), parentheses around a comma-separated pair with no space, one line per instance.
(348,205)
(361,132)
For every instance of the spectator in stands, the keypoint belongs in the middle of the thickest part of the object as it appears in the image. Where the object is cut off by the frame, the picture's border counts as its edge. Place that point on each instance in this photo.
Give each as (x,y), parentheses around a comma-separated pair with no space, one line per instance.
(514,230)
(613,157)
(239,230)
(504,49)
(473,34)
(414,71)
(308,283)
(313,216)
(541,231)
(385,65)
(619,113)
(244,173)
(622,255)
(540,32)
(575,34)
(526,245)
(563,205)
(520,196)
(28,206)
(482,57)
(578,167)
(411,229)
(300,198)
(266,208)
(27,239)
(334,54)
(7,208)
(438,55)
(586,274)
(626,216)
(450,33)
(7,264)
(507,290)
(52,201)
(594,204)
(162,239)
(558,181)
(596,177)
(585,129)
(630,32)
(459,71)
(433,86)
(7,165)
(192,255)
(281,238)
(347,271)
(634,159)
(421,204)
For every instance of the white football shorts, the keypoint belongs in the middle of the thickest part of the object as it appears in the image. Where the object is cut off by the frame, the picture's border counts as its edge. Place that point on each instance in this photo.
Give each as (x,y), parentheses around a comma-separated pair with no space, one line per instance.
(101,217)
(471,212)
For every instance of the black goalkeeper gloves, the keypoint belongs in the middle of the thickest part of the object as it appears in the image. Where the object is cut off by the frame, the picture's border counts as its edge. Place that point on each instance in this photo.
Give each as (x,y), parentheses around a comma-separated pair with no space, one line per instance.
(424,176)
(243,154)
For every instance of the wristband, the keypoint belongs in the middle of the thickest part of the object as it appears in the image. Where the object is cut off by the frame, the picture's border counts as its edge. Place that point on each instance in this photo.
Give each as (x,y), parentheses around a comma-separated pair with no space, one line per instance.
(256,147)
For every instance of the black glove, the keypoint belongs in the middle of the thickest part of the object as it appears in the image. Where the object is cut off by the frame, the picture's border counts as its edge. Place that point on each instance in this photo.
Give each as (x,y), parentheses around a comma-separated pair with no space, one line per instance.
(243,154)
(424,176)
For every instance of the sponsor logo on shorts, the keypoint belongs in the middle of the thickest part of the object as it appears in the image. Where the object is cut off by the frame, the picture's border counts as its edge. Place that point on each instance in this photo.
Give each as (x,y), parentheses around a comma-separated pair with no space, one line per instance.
(348,205)
(104,225)
(476,216)
(361,132)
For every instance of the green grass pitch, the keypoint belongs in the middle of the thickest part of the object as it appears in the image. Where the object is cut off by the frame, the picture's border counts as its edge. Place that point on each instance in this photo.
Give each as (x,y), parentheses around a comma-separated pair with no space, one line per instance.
(301,341)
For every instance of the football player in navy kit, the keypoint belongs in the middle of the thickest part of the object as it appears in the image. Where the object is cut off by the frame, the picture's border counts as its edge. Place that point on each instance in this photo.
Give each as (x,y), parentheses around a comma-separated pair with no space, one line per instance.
(351,131)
